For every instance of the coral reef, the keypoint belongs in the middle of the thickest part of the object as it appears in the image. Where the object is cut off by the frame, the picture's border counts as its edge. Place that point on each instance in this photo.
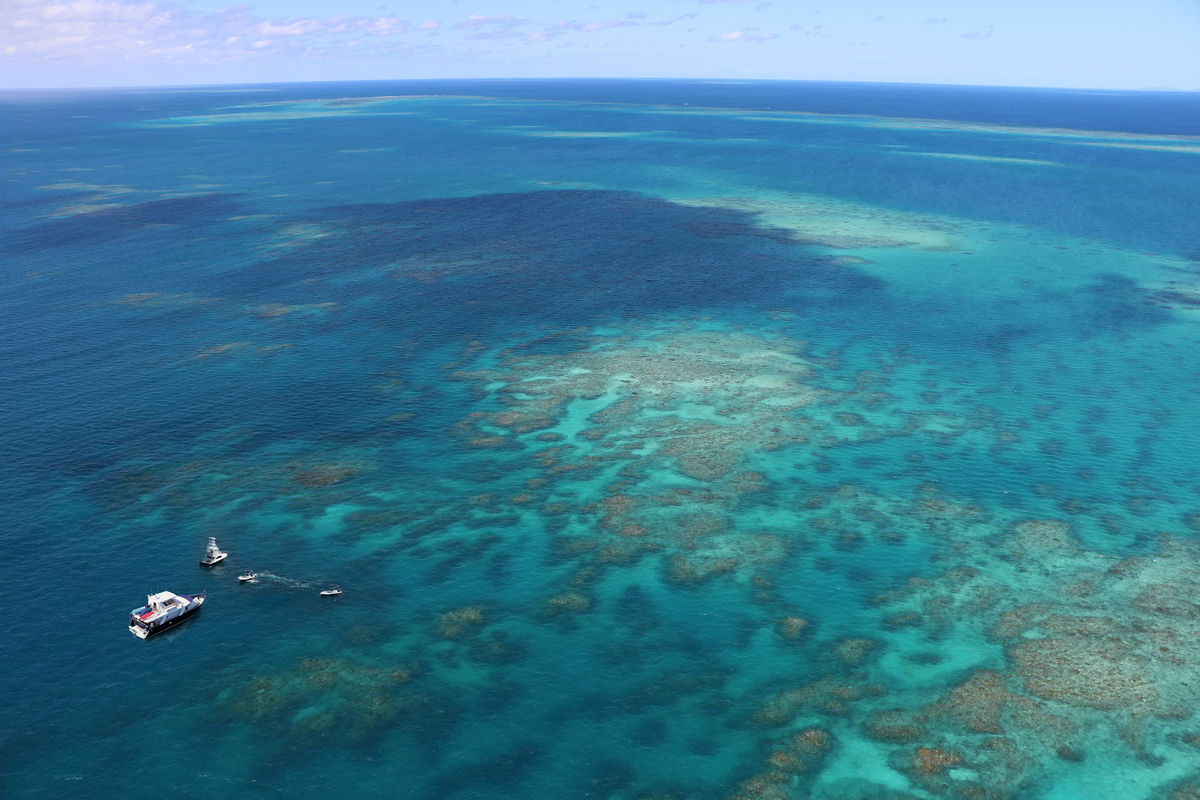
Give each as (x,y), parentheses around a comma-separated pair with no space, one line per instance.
(1087,647)
(670,420)
(697,457)
(839,224)
(315,476)
(460,622)
(1184,790)
(793,628)
(853,652)
(1073,648)
(930,760)
(894,726)
(827,695)
(319,696)
(791,763)
(574,602)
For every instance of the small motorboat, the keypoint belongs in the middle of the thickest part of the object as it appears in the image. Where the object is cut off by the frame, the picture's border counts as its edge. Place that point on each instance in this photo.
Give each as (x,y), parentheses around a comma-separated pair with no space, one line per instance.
(332,591)
(247,576)
(213,555)
(162,611)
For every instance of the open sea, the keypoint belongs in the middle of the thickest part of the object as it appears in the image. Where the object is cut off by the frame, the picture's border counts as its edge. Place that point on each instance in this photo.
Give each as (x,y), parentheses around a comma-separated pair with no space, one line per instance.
(669,440)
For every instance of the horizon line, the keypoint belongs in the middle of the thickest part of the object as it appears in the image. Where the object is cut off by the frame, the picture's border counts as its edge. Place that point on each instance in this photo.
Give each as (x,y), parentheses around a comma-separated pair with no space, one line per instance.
(267,84)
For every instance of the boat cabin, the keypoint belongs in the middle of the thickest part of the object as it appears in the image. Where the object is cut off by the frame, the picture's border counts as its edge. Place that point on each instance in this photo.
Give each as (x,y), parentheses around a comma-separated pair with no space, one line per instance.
(162,611)
(157,604)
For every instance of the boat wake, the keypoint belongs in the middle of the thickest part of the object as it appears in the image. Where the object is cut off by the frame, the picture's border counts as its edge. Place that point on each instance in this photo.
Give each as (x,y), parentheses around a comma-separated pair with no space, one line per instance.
(292,583)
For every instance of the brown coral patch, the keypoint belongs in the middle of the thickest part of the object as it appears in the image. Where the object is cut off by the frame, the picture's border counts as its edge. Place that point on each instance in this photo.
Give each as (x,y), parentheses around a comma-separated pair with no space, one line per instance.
(708,465)
(521,421)
(975,704)
(826,695)
(933,760)
(908,619)
(696,569)
(460,622)
(770,785)
(803,753)
(1184,790)
(693,527)
(573,602)
(1042,537)
(1082,673)
(812,742)
(319,475)
(615,506)
(853,652)
(793,628)
(1015,622)
(894,726)
(1170,601)
(357,700)
(788,762)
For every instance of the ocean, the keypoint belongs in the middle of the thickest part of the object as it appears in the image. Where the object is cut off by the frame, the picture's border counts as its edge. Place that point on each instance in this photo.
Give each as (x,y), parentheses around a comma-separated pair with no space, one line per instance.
(669,440)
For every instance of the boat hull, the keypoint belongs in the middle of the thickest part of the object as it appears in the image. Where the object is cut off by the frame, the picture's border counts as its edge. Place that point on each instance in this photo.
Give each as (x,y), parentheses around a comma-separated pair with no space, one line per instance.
(207,563)
(146,633)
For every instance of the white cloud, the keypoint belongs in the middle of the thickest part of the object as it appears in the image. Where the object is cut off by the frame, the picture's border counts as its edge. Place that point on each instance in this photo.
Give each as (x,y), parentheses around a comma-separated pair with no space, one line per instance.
(604,25)
(743,36)
(499,26)
(501,20)
(92,31)
(588,27)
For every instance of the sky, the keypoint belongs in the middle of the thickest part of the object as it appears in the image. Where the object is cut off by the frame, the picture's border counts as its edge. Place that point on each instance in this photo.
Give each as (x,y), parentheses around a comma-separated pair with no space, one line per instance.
(1086,44)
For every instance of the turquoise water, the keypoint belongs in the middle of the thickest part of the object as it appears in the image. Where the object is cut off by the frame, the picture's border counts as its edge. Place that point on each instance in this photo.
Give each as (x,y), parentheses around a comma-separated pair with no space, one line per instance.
(668,440)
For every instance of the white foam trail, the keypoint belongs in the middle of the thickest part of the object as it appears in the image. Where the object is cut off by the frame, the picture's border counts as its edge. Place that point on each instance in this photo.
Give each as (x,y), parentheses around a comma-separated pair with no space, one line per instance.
(271,577)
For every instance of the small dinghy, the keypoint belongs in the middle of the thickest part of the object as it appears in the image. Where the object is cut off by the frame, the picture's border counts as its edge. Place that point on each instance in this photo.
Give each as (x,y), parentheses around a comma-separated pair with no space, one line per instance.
(163,611)
(332,591)
(247,576)
(213,555)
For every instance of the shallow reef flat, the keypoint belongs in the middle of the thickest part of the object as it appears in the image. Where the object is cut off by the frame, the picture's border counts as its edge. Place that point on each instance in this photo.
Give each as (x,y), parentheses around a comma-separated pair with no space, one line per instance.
(1028,664)
(993,159)
(280,111)
(1186,142)
(662,435)
(838,224)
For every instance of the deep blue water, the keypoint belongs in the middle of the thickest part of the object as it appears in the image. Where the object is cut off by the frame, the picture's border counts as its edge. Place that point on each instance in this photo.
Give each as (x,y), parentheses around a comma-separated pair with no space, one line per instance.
(668,439)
